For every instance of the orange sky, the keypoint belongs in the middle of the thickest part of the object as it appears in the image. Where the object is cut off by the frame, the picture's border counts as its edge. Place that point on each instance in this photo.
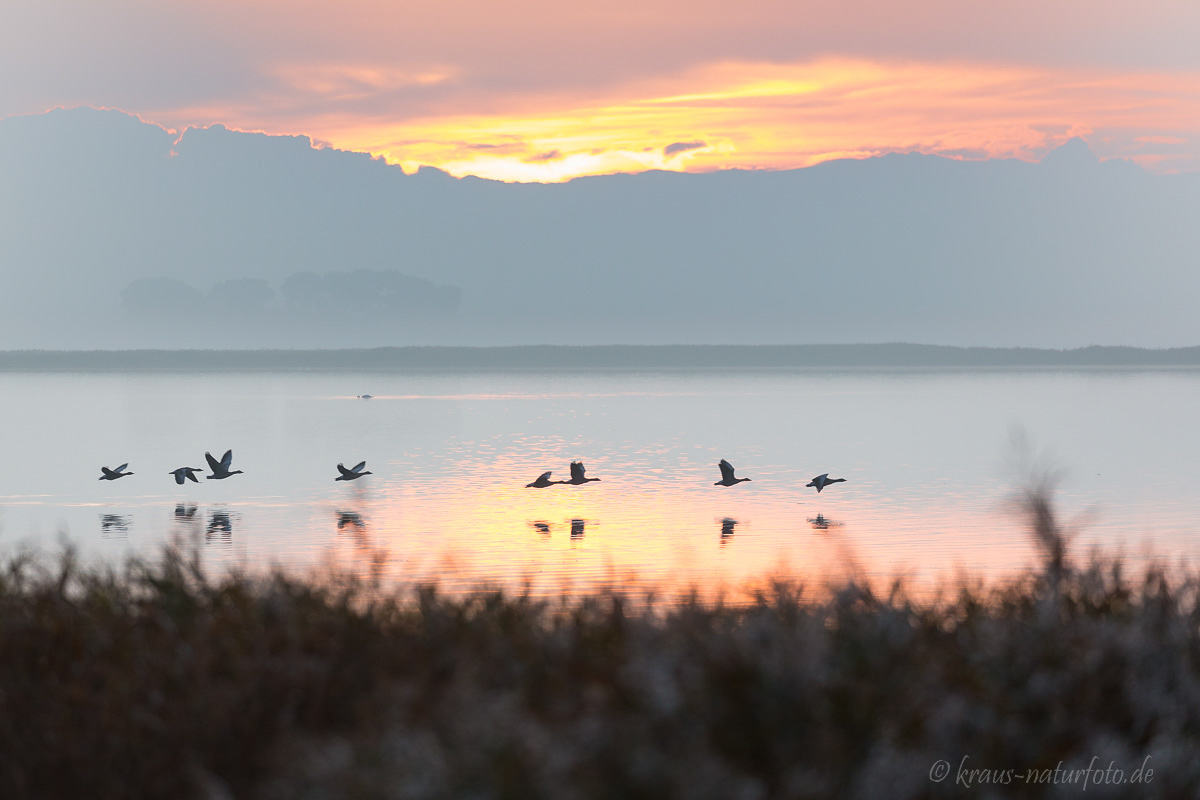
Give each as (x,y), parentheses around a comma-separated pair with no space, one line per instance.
(533,90)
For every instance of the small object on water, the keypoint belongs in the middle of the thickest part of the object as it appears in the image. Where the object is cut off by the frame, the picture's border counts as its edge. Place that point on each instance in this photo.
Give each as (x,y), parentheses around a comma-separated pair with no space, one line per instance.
(577,474)
(354,473)
(727,478)
(113,474)
(542,481)
(186,473)
(823,480)
(365,396)
(220,469)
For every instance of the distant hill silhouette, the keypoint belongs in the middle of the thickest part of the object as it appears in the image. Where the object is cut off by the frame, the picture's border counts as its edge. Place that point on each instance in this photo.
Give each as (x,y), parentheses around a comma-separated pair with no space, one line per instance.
(656,357)
(1068,252)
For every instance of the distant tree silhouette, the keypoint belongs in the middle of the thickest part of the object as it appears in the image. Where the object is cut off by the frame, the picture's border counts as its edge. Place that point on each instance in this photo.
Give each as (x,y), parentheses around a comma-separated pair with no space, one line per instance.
(154,298)
(370,294)
(241,297)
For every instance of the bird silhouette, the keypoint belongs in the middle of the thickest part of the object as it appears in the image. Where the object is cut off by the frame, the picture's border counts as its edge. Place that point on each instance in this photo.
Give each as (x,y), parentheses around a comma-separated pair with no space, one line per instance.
(220,469)
(542,481)
(727,478)
(823,480)
(577,474)
(354,473)
(365,396)
(186,473)
(113,474)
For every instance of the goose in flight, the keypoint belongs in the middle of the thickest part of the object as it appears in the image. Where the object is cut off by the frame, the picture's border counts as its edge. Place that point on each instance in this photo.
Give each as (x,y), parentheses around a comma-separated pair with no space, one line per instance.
(113,474)
(354,473)
(220,469)
(186,474)
(821,481)
(577,474)
(365,396)
(542,482)
(727,478)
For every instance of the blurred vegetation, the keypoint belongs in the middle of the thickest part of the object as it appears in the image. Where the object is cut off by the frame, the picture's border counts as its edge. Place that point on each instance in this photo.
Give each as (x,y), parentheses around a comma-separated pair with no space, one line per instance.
(157,680)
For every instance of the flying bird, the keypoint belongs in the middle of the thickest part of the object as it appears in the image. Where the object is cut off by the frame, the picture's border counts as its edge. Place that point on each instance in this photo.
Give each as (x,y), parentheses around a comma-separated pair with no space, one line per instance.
(186,473)
(577,474)
(821,481)
(354,473)
(542,481)
(113,474)
(364,396)
(727,478)
(220,469)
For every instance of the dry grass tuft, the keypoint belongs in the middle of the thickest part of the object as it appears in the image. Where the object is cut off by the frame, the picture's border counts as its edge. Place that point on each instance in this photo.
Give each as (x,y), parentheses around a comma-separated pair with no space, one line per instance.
(161,681)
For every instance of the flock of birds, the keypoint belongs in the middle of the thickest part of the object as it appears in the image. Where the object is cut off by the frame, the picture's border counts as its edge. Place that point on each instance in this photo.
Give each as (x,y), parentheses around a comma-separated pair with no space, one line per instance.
(221,470)
(727,478)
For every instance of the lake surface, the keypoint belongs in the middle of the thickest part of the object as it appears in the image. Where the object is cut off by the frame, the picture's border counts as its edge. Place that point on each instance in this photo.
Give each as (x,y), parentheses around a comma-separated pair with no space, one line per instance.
(927,455)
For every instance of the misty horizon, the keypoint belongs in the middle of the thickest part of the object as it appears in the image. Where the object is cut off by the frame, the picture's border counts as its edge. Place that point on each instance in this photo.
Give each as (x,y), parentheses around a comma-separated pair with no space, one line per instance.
(899,248)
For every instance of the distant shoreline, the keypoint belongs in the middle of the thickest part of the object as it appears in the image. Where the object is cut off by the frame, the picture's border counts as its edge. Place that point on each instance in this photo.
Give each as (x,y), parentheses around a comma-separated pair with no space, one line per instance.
(620,357)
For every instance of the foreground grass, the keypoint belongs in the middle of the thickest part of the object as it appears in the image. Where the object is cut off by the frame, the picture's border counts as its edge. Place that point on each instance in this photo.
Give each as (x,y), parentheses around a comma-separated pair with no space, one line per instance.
(161,681)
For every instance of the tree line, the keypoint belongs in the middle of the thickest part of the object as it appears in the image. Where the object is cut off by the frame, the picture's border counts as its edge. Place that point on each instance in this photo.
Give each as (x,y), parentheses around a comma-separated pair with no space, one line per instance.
(367,295)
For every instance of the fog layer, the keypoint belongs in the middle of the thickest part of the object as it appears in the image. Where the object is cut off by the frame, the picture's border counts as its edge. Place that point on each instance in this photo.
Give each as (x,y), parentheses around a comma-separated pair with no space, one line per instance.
(116,233)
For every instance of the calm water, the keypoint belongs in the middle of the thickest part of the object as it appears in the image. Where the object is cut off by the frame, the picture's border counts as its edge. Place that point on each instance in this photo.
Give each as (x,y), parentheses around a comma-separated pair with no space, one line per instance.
(927,456)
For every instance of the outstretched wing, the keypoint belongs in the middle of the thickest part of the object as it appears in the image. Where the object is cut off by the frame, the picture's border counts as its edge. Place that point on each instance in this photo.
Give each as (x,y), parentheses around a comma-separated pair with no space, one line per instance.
(191,473)
(180,475)
(576,470)
(358,467)
(726,470)
(122,467)
(213,464)
(345,472)
(227,459)
(107,472)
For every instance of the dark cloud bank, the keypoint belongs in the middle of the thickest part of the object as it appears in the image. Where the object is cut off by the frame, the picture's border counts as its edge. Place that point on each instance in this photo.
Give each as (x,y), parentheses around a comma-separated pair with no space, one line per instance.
(112,234)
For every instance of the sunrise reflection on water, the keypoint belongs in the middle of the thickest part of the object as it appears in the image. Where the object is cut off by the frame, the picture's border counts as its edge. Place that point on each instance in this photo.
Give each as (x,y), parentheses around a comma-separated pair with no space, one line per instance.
(925,455)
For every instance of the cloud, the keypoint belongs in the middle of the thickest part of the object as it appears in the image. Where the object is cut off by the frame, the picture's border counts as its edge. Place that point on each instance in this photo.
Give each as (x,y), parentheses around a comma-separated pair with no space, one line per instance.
(772,85)
(552,155)
(681,147)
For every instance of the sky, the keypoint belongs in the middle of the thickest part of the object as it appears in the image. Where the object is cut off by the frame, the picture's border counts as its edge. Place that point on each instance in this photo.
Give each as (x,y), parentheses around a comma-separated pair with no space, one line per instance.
(541,90)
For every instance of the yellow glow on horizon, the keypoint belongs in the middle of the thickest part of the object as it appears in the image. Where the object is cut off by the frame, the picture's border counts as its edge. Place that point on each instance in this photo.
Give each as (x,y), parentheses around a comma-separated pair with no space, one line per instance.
(751,116)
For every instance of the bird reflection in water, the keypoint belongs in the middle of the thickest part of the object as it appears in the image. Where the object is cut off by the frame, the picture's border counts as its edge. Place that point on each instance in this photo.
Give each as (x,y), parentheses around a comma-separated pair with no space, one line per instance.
(351,522)
(727,526)
(576,529)
(185,512)
(220,528)
(822,523)
(541,527)
(115,526)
